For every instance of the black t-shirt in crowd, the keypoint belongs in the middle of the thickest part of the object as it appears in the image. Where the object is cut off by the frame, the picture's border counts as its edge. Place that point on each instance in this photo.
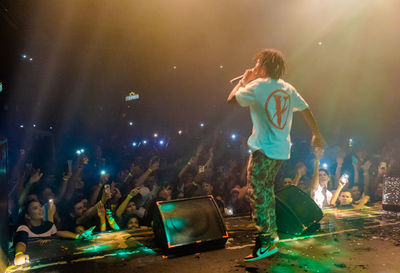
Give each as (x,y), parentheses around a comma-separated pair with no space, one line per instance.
(25,232)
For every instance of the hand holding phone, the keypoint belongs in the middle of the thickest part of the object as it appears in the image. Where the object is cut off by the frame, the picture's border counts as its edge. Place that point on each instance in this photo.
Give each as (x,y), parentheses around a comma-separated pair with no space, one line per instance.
(344,179)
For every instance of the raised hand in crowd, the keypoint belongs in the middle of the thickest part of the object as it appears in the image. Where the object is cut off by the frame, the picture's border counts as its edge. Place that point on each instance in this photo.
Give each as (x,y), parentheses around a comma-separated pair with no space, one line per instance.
(52,211)
(355,163)
(339,160)
(96,190)
(101,213)
(120,210)
(301,171)
(154,164)
(342,183)
(34,178)
(318,153)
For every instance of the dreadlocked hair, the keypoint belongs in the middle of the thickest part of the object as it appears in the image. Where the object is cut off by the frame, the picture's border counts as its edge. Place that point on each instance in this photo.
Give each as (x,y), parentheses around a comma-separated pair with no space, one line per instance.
(273,61)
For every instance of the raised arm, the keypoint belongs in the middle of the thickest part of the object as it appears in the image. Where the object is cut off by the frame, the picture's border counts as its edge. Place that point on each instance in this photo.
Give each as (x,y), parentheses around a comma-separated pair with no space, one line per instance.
(318,152)
(35,177)
(342,182)
(125,203)
(153,165)
(248,76)
(339,160)
(365,167)
(317,139)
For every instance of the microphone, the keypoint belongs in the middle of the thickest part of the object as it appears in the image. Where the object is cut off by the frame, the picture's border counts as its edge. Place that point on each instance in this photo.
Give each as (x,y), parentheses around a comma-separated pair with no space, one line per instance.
(238,78)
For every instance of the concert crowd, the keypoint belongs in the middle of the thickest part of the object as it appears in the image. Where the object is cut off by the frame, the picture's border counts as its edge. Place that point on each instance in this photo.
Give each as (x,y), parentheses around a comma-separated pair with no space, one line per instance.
(88,194)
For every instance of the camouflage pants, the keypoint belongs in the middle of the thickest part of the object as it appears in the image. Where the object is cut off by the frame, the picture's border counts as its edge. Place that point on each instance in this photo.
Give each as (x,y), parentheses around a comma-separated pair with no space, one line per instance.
(261,173)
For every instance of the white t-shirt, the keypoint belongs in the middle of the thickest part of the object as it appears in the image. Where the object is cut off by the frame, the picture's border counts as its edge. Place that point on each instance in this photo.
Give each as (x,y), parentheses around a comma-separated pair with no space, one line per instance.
(272,103)
(319,196)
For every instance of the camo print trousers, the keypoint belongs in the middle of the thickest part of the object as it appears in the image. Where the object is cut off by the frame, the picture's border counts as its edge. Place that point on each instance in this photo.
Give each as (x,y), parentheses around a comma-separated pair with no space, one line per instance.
(261,173)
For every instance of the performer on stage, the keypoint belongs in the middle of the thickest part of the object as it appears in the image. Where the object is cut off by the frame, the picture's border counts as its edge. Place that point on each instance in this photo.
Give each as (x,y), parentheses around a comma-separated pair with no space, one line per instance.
(272,102)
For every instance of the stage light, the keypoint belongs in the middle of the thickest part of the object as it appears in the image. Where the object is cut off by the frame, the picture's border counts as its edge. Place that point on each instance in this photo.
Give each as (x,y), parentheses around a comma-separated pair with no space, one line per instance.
(180,132)
(82,151)
(233,136)
(102,172)
(134,144)
(130,123)
(249,151)
(161,142)
(155,135)
(78,152)
(202,124)
(144,142)
(21,126)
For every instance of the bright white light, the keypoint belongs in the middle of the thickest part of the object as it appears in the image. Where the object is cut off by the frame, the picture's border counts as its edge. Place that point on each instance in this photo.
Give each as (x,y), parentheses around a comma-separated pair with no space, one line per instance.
(161,142)
(233,136)
(103,172)
(21,126)
(130,123)
(82,150)
(325,166)
(30,59)
(350,140)
(202,124)
(319,43)
(180,132)
(174,67)
(155,135)
(51,127)
(144,142)
(24,56)
(78,152)
(134,144)
(221,66)
(34,125)
(346,176)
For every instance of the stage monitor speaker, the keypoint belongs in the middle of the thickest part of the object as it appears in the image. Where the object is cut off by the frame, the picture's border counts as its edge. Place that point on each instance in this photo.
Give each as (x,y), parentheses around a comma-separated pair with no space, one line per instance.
(391,194)
(187,225)
(295,211)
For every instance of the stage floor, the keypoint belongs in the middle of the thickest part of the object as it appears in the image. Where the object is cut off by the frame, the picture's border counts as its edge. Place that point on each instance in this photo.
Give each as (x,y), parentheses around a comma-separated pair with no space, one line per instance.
(347,240)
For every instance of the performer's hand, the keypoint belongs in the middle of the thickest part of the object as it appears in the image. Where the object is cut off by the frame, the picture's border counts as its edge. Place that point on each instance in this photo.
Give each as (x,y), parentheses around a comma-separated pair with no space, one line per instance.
(248,76)
(317,141)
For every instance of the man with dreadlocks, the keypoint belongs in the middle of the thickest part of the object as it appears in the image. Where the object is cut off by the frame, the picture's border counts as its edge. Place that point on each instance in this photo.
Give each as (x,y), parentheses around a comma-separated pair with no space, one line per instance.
(272,102)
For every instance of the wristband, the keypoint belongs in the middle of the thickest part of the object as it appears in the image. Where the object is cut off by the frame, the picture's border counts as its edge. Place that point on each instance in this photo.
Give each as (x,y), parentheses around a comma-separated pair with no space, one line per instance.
(130,196)
(149,170)
(129,174)
(19,253)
